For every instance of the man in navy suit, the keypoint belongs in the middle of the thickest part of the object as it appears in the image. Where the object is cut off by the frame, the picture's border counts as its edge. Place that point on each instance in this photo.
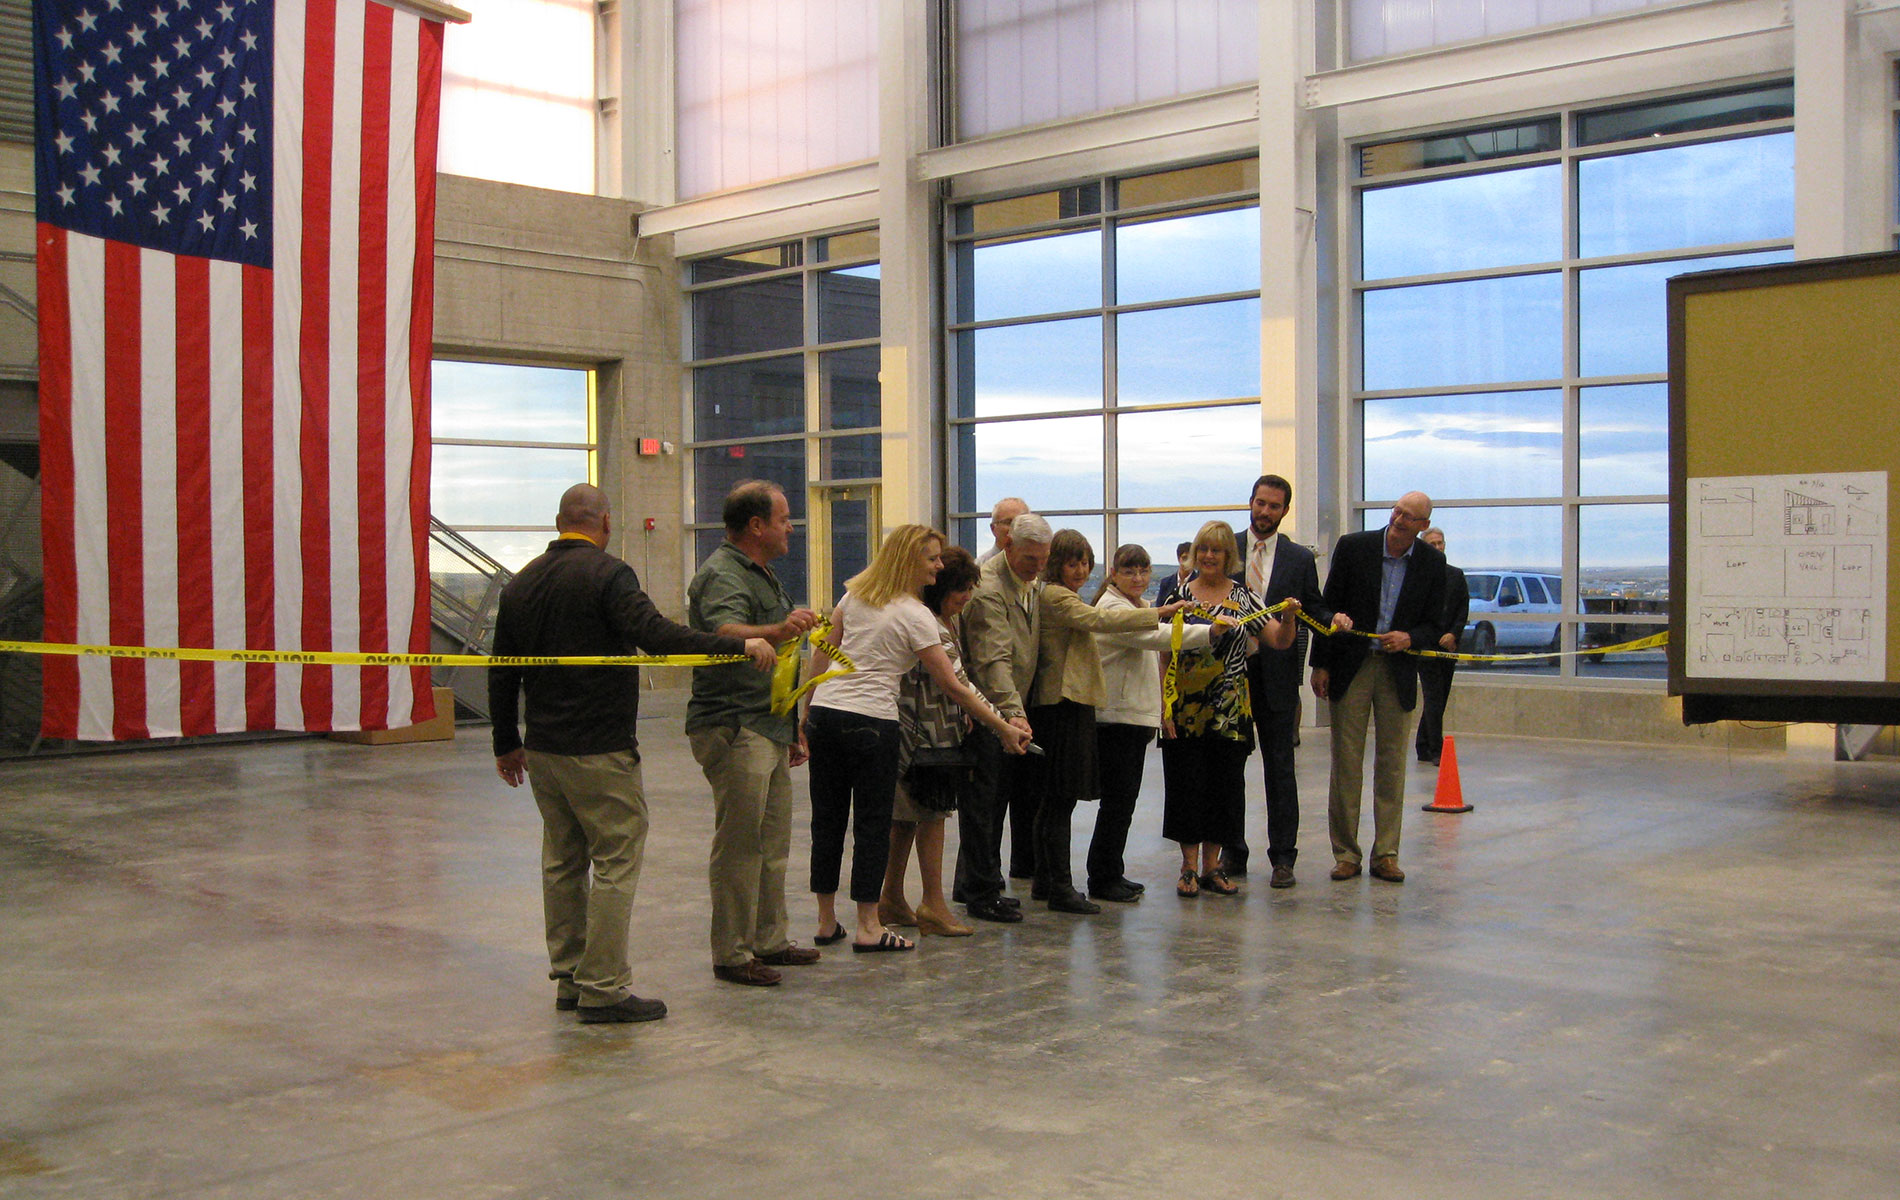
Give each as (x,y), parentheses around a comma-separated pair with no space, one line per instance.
(1275,567)
(1393,586)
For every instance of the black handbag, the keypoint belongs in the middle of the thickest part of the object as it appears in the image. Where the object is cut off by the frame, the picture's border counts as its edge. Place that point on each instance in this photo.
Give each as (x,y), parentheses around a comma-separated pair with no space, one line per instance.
(937,775)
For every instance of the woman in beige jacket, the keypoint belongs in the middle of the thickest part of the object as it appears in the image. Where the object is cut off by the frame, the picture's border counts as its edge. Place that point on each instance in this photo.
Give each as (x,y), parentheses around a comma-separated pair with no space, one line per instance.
(1067,690)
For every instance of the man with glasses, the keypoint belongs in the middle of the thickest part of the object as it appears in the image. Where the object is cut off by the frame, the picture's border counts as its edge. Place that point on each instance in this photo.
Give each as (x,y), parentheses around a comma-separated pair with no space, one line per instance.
(1392,585)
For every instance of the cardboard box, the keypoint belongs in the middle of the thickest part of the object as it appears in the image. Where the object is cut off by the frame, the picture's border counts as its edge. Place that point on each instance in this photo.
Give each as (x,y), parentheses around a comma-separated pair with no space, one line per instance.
(441,728)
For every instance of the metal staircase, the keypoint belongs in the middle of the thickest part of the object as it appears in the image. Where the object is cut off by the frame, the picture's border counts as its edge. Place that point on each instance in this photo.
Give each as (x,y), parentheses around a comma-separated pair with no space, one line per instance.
(462,606)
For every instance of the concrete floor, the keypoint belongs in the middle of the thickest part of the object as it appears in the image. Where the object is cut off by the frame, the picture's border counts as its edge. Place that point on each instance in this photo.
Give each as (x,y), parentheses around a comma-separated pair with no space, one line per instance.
(310,969)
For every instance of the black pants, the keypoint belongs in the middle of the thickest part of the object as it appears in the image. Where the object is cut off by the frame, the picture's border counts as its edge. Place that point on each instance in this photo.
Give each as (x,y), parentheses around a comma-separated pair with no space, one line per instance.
(853,763)
(1278,728)
(979,874)
(1434,680)
(1121,751)
(1021,781)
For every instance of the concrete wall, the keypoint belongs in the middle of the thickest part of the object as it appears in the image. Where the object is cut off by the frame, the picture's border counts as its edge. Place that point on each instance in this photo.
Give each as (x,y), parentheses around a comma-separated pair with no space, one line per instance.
(1592,714)
(539,276)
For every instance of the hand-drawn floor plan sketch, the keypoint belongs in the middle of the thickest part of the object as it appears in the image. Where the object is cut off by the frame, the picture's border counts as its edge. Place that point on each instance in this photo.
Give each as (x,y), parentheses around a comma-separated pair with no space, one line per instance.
(1787,577)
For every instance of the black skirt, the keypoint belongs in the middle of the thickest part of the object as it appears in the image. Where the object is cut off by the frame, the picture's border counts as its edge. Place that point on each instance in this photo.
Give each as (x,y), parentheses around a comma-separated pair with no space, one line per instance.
(1066,732)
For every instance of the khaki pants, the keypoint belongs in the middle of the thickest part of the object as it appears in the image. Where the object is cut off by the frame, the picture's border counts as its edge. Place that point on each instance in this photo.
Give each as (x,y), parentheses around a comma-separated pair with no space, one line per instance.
(752,837)
(1373,695)
(593,814)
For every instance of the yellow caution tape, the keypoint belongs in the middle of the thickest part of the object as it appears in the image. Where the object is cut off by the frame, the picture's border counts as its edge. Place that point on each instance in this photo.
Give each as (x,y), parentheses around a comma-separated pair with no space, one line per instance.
(1645,643)
(1170,686)
(350,658)
(785,686)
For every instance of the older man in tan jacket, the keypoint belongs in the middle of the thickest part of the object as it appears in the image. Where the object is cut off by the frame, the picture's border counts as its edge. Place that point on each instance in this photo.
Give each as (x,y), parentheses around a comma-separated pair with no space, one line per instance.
(1000,627)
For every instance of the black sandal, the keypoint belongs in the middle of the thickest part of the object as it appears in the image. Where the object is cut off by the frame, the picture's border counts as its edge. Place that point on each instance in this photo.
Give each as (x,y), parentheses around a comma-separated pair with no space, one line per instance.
(886,942)
(836,935)
(1187,886)
(1218,883)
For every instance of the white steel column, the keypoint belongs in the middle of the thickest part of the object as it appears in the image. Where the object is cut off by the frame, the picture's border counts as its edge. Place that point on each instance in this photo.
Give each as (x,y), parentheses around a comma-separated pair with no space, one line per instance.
(639,65)
(1289,429)
(907,241)
(1826,176)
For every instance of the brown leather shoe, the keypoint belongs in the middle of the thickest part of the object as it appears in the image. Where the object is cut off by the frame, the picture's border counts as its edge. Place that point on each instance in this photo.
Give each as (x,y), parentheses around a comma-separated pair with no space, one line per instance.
(1387,868)
(895,912)
(752,973)
(938,925)
(1345,870)
(794,955)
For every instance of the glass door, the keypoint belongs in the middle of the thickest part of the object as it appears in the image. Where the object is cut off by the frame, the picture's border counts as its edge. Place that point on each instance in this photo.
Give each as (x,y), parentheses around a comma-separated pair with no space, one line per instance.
(845,521)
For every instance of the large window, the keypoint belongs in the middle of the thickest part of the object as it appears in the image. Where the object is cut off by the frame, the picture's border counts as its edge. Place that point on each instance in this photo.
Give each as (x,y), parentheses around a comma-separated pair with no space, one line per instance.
(1376,28)
(1105,355)
(518,97)
(506,441)
(783,364)
(1512,344)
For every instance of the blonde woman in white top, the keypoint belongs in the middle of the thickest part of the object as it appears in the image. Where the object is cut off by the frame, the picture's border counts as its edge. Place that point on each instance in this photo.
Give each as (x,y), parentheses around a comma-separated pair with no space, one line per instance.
(1128,721)
(852,726)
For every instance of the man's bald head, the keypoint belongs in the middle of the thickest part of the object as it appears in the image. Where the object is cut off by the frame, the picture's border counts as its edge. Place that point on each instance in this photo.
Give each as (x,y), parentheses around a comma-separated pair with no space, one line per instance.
(584,509)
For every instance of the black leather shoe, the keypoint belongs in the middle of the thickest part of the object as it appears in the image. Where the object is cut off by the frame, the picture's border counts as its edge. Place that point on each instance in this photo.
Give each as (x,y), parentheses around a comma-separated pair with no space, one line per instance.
(630,1009)
(1038,892)
(1009,902)
(1117,892)
(1074,902)
(1233,865)
(1134,884)
(994,910)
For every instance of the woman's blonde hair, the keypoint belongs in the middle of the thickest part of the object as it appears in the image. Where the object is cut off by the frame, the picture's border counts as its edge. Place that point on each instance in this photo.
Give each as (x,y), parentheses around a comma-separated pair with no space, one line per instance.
(893,569)
(1218,535)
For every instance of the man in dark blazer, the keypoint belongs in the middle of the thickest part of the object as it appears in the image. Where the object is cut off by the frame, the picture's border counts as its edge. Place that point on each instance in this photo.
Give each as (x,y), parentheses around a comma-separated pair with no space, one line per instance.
(1434,674)
(1393,587)
(1274,566)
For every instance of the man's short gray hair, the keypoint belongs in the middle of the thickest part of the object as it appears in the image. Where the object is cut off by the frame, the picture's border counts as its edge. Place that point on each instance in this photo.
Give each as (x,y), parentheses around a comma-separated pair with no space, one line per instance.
(1032,529)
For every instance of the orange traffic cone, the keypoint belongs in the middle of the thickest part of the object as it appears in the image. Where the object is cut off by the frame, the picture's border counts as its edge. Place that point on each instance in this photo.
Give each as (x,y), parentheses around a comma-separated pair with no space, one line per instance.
(1450,797)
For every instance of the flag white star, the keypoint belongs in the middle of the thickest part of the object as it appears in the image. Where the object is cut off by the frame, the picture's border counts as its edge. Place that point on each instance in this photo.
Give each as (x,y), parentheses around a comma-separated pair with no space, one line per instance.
(161,165)
(137,183)
(247,133)
(249,89)
(182,192)
(227,106)
(205,77)
(160,213)
(225,11)
(182,46)
(227,153)
(113,5)
(181,97)
(65,37)
(227,58)
(249,228)
(205,174)
(247,181)
(204,219)
(204,29)
(183,143)
(160,68)
(228,200)
(90,174)
(91,122)
(65,88)
(249,40)
(137,34)
(111,155)
(87,20)
(65,143)
(204,124)
(160,16)
(160,115)
(66,194)
(134,85)
(86,71)
(109,102)
(111,52)
(134,135)
(118,209)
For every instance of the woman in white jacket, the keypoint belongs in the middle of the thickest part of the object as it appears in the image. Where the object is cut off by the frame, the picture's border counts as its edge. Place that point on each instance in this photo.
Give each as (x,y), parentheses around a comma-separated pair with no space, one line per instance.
(1127,722)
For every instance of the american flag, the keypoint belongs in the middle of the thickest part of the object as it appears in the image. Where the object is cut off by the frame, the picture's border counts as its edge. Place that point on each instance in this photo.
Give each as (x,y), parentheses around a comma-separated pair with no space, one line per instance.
(236,233)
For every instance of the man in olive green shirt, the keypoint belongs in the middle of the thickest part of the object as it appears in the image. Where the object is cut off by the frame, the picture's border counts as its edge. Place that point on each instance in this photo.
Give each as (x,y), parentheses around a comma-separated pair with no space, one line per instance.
(746,751)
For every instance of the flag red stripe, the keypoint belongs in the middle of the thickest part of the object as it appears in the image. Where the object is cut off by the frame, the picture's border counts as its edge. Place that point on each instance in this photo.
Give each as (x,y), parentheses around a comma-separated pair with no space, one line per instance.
(59,674)
(260,564)
(125,500)
(421,331)
(314,351)
(197,686)
(372,382)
